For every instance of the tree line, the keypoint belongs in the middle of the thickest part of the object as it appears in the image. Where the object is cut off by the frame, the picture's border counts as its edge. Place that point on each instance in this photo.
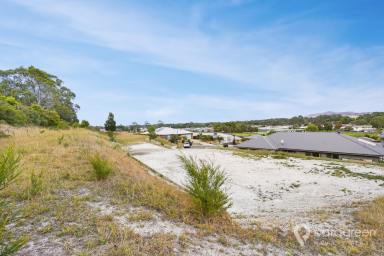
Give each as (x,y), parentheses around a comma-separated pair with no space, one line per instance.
(321,122)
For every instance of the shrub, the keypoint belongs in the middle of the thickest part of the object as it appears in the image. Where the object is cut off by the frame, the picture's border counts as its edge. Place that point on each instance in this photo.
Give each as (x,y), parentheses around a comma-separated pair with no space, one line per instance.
(312,128)
(9,166)
(205,183)
(111,136)
(84,124)
(174,139)
(101,167)
(36,185)
(43,117)
(11,114)
(62,125)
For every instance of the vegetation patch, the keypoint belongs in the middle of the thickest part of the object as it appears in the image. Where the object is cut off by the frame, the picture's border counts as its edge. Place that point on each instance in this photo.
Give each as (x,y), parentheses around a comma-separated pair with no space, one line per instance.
(101,167)
(205,183)
(342,171)
(141,216)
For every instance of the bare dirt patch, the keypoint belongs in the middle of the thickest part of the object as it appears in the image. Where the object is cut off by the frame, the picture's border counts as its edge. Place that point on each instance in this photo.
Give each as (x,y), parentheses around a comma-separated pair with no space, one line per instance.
(271,189)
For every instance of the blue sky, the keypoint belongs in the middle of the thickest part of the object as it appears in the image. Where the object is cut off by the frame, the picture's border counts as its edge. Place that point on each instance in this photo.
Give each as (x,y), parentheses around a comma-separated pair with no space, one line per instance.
(213,60)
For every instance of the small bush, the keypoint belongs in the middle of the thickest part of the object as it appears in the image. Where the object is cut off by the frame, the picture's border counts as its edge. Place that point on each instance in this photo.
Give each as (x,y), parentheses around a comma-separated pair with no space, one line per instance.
(84,124)
(101,167)
(111,136)
(205,183)
(9,166)
(36,185)
(12,115)
(62,125)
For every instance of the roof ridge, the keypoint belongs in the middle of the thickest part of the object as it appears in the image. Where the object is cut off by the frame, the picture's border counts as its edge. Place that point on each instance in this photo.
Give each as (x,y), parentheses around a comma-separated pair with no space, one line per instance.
(356,142)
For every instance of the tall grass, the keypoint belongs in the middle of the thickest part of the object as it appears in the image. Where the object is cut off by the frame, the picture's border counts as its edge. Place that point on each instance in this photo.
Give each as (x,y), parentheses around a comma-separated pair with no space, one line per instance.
(101,167)
(206,184)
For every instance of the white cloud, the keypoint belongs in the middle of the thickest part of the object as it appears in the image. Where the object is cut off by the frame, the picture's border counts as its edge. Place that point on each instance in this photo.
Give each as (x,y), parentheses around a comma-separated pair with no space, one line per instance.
(305,72)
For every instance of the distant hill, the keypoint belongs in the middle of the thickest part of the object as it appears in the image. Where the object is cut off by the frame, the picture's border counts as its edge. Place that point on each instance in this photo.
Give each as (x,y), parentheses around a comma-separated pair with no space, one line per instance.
(347,113)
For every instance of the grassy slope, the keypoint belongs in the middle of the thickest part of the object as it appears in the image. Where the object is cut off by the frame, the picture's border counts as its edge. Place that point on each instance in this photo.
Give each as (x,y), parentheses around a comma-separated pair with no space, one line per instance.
(61,210)
(63,159)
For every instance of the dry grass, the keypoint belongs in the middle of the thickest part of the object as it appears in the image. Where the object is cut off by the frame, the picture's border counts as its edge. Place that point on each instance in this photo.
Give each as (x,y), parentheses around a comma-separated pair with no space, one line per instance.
(130,138)
(62,157)
(141,216)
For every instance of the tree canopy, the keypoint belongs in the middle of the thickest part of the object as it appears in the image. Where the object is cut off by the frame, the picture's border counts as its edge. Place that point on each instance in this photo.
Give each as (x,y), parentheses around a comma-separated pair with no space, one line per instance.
(110,124)
(34,87)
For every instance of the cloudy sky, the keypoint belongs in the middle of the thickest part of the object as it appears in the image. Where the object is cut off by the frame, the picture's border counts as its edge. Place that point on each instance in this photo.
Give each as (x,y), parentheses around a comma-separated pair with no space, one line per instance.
(212,60)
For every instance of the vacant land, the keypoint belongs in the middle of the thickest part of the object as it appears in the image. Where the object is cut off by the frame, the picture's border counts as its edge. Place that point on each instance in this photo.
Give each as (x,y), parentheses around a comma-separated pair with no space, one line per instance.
(62,208)
(284,191)
(268,188)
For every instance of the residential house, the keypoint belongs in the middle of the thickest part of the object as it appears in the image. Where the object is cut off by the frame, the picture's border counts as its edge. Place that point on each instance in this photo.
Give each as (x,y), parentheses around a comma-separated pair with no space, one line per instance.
(319,144)
(168,132)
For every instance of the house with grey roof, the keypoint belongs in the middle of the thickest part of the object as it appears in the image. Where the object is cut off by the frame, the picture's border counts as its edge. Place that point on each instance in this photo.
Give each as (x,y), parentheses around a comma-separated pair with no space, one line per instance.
(319,144)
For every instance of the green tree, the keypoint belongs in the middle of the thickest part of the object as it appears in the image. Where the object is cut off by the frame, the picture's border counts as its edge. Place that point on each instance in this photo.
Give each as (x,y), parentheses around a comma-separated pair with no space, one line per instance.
(34,86)
(378,122)
(174,139)
(110,124)
(152,132)
(328,126)
(312,128)
(338,125)
(84,124)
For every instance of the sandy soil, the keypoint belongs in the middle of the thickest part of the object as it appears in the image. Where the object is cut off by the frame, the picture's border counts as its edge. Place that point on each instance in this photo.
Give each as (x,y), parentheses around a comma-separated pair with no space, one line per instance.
(268,188)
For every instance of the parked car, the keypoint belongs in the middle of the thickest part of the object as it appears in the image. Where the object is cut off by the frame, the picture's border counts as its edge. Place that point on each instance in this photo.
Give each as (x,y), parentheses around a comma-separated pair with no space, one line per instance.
(187,144)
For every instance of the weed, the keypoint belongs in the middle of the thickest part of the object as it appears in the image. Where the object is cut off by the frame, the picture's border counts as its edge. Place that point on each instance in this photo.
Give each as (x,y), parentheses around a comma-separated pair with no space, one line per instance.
(205,183)
(36,185)
(342,171)
(184,240)
(111,136)
(223,240)
(101,167)
(141,216)
(60,139)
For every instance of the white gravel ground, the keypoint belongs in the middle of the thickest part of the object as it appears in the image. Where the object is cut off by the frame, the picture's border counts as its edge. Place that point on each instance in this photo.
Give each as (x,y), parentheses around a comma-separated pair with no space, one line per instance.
(268,187)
